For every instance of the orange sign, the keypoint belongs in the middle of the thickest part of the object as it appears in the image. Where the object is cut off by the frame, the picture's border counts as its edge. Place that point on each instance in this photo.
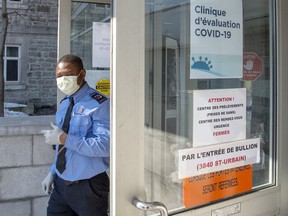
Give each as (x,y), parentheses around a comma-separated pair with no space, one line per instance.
(252,66)
(209,187)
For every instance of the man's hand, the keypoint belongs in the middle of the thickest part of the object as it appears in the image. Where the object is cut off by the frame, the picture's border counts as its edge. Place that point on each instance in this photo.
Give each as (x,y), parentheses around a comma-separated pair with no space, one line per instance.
(53,136)
(47,183)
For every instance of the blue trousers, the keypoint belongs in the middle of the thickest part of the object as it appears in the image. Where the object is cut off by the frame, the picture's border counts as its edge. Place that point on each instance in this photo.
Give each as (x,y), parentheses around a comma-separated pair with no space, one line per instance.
(83,198)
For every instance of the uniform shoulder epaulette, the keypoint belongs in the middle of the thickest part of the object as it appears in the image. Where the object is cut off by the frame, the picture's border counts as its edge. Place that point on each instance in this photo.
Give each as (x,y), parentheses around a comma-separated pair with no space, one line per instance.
(98,97)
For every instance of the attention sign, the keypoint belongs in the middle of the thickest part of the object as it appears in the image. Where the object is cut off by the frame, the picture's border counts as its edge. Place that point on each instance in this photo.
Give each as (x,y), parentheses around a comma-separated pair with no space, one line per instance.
(219,116)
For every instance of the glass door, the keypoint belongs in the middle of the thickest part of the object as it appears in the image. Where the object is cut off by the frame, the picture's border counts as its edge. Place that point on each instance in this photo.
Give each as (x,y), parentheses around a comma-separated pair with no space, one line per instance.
(160,50)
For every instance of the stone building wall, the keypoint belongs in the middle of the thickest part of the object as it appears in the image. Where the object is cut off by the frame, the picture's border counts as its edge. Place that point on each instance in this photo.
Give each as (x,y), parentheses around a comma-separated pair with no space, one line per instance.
(25,160)
(24,157)
(34,28)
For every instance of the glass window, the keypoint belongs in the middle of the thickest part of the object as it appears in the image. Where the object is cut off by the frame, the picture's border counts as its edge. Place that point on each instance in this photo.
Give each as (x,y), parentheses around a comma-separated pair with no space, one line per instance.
(90,39)
(83,16)
(12,51)
(11,63)
(170,94)
(12,70)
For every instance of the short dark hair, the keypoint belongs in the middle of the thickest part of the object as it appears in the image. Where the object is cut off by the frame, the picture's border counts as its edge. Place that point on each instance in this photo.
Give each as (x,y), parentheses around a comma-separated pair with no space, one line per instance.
(73,59)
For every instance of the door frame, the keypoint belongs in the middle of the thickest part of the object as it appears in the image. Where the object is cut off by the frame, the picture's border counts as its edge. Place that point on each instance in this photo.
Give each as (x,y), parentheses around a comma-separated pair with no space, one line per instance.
(282,116)
(126,68)
(127,125)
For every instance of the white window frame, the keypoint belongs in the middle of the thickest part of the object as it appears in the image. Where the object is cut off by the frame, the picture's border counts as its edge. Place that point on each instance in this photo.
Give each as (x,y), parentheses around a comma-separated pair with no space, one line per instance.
(5,58)
(22,4)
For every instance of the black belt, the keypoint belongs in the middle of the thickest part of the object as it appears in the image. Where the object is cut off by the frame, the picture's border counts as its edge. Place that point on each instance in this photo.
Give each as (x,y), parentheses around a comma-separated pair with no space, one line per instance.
(71,182)
(78,181)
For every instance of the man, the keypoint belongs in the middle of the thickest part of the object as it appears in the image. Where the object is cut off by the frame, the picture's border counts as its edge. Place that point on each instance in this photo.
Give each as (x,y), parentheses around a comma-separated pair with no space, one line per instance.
(82,132)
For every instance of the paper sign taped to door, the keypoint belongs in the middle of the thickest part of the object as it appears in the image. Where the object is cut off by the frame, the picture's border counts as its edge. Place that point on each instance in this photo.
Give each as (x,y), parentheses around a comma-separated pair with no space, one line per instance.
(207,159)
(210,187)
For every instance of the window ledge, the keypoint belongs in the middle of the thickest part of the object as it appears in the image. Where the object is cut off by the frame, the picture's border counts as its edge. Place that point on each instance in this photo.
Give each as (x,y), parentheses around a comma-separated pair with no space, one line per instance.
(19,126)
(15,87)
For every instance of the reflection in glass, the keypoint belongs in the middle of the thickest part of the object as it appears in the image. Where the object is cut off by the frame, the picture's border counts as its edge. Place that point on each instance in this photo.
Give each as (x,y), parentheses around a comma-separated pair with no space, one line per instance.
(12,70)
(12,52)
(169,90)
(81,41)
(83,16)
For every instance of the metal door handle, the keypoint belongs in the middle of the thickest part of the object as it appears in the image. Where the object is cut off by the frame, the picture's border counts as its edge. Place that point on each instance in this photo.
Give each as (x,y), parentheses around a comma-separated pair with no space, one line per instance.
(150,206)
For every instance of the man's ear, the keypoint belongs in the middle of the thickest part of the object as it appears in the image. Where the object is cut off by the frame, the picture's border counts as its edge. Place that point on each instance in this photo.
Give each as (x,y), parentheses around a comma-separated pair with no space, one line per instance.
(83,73)
(81,78)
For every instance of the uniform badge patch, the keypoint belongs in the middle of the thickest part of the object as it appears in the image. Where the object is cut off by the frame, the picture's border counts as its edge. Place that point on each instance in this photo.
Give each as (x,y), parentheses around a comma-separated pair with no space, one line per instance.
(81,110)
(99,97)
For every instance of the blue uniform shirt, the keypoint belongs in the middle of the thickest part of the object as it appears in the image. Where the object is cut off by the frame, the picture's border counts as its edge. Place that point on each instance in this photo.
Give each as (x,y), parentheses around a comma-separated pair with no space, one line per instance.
(88,139)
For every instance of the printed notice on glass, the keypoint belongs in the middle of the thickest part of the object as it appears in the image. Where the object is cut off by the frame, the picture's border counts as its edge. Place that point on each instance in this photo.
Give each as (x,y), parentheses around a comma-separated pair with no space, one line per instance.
(216,39)
(205,188)
(202,160)
(101,45)
(219,116)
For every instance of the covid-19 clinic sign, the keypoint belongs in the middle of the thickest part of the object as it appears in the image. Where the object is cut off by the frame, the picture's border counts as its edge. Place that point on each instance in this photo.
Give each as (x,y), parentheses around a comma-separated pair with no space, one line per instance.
(216,39)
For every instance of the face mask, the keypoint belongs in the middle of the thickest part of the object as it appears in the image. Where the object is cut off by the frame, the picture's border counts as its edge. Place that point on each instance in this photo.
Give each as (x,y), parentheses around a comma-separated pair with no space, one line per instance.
(68,84)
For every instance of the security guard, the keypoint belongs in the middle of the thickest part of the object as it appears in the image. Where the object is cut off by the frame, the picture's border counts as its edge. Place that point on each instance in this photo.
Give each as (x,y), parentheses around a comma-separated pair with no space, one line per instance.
(82,132)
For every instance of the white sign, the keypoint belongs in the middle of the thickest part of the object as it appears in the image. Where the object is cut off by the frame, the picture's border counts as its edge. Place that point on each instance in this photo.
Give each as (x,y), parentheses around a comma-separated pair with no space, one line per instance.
(219,116)
(202,160)
(101,45)
(216,39)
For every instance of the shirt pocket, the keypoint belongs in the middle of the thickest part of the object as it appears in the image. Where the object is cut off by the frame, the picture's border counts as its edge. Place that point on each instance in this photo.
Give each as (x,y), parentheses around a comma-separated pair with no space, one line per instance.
(80,124)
